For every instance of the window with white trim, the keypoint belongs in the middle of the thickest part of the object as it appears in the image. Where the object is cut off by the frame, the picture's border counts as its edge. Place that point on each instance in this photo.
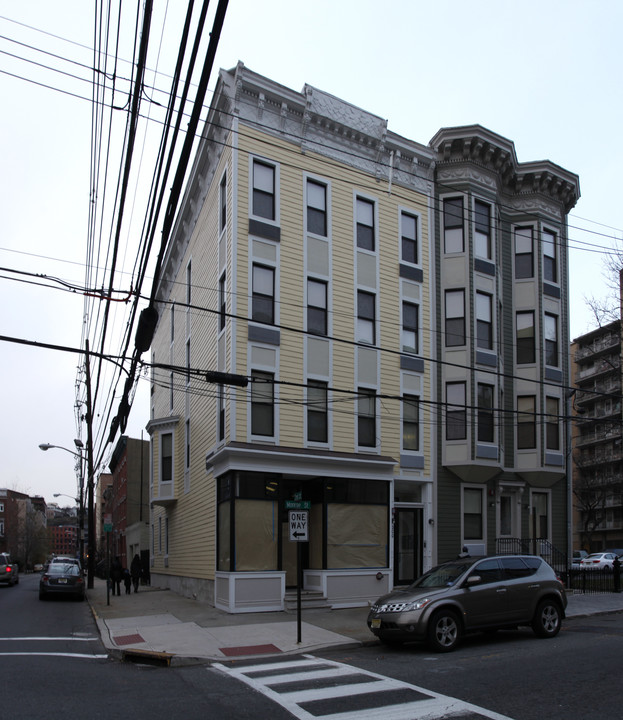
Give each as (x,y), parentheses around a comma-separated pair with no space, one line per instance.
(550,331)
(366,317)
(455,317)
(486,429)
(482,230)
(453,236)
(366,417)
(553,423)
(264,204)
(317,317)
(316,208)
(317,411)
(473,514)
(524,253)
(411,423)
(263,294)
(526,422)
(550,261)
(409,238)
(365,224)
(456,411)
(484,321)
(525,337)
(410,327)
(262,403)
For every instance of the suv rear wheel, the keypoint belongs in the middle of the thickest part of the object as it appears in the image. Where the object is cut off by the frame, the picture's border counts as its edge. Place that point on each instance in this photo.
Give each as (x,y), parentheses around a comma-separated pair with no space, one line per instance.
(444,631)
(547,619)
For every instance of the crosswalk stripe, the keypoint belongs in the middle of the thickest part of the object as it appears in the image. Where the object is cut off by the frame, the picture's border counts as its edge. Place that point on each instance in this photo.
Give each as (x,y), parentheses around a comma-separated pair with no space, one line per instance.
(399,705)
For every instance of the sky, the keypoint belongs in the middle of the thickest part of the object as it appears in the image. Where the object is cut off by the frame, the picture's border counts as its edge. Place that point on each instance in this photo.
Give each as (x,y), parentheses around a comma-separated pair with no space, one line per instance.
(545,74)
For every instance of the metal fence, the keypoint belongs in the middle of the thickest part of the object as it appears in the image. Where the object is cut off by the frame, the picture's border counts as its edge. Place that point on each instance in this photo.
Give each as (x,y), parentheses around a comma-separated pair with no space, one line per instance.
(593,581)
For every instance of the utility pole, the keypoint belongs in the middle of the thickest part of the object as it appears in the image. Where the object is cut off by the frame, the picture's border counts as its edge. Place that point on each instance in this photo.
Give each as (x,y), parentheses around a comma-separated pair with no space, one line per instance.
(89,418)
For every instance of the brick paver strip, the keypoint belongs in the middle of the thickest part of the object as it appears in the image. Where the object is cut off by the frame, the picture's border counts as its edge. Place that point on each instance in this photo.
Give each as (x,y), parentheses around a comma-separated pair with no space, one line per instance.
(128,639)
(250,650)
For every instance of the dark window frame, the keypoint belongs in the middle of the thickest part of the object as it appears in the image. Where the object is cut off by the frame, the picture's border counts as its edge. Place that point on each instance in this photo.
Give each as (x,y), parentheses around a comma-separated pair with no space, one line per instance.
(264,201)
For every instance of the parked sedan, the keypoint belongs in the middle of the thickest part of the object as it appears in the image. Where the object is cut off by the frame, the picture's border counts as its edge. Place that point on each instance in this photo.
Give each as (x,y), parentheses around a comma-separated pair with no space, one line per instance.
(472,594)
(598,561)
(61,579)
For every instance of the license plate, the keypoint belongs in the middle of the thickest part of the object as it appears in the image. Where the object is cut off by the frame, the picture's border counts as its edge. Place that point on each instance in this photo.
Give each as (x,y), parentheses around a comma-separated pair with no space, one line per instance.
(62,581)
(376,623)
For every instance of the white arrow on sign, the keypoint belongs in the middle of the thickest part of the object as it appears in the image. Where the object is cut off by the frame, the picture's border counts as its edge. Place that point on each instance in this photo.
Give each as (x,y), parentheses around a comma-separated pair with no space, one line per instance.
(298,521)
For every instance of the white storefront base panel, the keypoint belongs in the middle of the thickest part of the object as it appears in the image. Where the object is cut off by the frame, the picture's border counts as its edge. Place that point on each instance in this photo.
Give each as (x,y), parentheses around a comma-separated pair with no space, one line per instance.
(348,588)
(249,591)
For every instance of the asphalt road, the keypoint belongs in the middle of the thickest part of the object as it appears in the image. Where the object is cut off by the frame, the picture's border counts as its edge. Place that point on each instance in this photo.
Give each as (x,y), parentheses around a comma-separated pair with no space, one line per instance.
(52,663)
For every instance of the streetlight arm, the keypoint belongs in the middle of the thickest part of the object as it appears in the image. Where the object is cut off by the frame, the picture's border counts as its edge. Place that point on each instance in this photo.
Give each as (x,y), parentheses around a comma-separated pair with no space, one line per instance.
(47,446)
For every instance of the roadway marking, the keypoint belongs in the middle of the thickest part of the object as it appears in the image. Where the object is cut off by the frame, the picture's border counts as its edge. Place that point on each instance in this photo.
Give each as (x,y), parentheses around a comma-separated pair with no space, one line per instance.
(55,654)
(315,689)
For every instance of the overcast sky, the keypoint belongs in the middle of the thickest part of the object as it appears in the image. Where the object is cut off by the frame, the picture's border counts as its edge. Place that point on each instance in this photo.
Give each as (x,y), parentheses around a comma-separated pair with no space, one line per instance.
(545,74)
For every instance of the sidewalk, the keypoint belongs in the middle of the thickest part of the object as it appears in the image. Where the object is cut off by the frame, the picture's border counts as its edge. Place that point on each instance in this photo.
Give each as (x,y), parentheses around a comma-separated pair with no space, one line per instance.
(165,628)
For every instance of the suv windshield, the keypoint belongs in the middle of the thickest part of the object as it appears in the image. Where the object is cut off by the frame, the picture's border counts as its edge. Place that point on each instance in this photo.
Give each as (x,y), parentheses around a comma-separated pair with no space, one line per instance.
(441,576)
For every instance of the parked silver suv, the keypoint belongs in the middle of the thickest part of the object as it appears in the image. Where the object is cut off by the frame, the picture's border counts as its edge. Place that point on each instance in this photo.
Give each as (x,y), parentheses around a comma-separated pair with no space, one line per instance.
(472,594)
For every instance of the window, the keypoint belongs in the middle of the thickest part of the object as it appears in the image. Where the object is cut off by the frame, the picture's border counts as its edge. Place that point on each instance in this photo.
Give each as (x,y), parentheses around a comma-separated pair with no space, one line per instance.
(411,422)
(482,230)
(365,224)
(456,411)
(453,225)
(263,301)
(485,413)
(409,238)
(262,403)
(263,190)
(222,302)
(317,413)
(484,323)
(410,312)
(223,204)
(221,412)
(552,430)
(472,514)
(166,457)
(316,307)
(525,337)
(187,454)
(550,265)
(189,286)
(524,262)
(526,422)
(550,330)
(188,361)
(366,418)
(455,318)
(316,208)
(365,318)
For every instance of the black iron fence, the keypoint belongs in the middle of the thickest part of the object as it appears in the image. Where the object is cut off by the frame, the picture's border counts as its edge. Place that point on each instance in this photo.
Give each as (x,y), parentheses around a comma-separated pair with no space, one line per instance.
(593,581)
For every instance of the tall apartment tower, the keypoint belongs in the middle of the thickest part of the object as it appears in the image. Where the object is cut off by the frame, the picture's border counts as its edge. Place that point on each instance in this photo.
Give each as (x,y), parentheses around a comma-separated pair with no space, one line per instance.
(370,291)
(597,451)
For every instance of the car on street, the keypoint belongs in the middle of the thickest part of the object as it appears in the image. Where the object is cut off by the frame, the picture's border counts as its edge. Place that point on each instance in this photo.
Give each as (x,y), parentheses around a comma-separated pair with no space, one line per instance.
(578,556)
(62,579)
(9,572)
(599,561)
(469,595)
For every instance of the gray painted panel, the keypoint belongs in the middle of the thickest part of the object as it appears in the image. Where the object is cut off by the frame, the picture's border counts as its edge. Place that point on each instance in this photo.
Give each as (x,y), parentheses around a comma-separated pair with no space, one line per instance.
(554,459)
(411,273)
(264,335)
(272,232)
(485,358)
(487,451)
(412,461)
(551,290)
(484,266)
(552,374)
(411,363)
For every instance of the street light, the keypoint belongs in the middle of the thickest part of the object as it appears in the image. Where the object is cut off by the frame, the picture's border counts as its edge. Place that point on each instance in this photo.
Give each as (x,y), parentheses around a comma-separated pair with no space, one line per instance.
(79,446)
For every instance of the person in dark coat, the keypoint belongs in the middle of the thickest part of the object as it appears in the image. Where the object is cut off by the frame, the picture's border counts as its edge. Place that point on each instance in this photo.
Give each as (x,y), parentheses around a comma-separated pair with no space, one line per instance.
(127,581)
(135,571)
(116,575)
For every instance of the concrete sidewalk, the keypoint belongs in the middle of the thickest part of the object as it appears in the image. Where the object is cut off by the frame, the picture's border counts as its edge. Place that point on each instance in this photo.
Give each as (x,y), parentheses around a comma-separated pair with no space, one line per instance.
(165,628)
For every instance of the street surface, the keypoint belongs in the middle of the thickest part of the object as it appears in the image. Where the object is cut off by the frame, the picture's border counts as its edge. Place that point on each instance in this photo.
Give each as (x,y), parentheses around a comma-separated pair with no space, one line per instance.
(52,661)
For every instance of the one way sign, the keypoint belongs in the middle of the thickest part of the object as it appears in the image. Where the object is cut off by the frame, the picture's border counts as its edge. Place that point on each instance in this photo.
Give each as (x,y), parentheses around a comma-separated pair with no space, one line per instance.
(299,523)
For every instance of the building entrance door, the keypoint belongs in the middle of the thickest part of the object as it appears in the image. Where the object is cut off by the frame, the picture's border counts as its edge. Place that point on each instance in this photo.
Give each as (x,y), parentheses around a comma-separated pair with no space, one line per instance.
(407,545)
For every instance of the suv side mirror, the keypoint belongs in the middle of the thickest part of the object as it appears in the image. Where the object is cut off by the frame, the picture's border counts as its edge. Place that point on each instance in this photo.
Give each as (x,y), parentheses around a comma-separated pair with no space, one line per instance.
(473,580)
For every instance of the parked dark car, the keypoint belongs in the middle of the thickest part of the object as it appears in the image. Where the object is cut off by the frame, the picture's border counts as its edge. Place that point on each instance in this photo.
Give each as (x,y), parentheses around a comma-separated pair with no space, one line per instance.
(469,595)
(62,579)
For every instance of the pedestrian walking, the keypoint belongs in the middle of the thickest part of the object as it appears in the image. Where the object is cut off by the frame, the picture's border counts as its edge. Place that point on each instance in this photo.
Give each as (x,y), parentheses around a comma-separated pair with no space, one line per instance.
(116,574)
(135,571)
(127,581)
